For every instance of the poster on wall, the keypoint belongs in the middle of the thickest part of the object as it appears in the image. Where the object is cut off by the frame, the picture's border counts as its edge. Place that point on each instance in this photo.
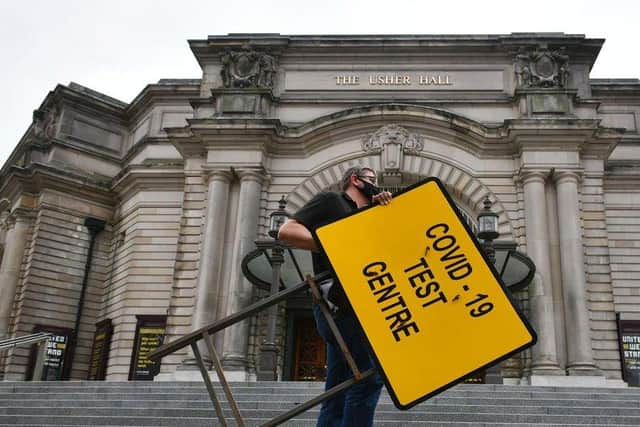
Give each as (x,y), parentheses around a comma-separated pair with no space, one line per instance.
(56,354)
(100,350)
(629,333)
(150,332)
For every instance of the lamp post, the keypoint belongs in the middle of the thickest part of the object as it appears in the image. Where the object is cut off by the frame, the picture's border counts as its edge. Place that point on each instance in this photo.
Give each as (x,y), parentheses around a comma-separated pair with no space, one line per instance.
(488,232)
(267,366)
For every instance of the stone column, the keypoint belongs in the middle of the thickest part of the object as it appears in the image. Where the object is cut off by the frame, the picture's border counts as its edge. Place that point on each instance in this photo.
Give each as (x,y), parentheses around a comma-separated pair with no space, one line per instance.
(211,255)
(556,275)
(574,284)
(239,295)
(544,355)
(15,243)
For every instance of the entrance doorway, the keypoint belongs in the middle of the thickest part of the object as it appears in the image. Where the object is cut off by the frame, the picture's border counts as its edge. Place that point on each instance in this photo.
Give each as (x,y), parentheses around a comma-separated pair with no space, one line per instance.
(305,352)
(310,354)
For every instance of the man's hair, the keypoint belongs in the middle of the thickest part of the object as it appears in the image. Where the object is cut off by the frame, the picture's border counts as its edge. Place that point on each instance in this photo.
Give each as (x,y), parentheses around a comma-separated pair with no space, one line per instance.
(353,170)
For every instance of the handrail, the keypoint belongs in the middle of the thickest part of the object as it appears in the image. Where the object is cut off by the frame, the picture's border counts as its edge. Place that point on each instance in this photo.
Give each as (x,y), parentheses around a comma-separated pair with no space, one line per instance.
(39,338)
(214,327)
(25,339)
(206,332)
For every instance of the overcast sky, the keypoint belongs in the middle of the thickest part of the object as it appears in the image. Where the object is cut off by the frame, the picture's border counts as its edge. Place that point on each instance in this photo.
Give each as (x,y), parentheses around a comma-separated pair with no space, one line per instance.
(117,47)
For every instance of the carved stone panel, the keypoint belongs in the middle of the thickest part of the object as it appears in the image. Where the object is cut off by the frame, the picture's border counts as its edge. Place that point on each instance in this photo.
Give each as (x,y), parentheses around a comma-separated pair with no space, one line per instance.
(391,142)
(247,68)
(45,122)
(541,68)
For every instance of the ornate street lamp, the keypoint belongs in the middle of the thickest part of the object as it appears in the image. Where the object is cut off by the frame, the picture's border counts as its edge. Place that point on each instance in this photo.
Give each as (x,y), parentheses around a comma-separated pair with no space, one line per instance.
(277,218)
(488,229)
(267,366)
(488,232)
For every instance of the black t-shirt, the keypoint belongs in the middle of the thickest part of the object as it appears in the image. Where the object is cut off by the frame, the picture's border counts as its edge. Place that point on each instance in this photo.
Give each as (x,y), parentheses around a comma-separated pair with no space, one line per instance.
(323,209)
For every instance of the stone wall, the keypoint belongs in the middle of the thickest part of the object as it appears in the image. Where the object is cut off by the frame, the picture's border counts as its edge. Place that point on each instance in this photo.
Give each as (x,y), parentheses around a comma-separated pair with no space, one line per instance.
(623,232)
(146,233)
(54,268)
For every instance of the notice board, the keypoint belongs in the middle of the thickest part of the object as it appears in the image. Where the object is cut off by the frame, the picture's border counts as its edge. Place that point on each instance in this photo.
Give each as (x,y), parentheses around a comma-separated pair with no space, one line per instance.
(629,333)
(100,350)
(432,308)
(150,333)
(56,362)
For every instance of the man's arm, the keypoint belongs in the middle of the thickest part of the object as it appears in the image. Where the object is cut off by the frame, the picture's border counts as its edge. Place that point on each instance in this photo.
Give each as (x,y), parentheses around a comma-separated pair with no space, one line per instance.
(297,235)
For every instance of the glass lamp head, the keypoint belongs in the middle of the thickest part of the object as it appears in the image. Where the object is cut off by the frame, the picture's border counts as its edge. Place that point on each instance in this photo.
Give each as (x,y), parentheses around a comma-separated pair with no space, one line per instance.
(277,218)
(487,222)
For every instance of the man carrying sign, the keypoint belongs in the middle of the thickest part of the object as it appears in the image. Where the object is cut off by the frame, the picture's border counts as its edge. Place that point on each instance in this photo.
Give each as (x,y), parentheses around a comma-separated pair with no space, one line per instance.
(357,405)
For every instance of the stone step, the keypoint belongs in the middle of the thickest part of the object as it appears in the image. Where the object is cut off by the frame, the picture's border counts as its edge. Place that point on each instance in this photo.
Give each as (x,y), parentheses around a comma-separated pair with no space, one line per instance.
(293,386)
(292,397)
(92,403)
(275,407)
(261,416)
(203,402)
(312,423)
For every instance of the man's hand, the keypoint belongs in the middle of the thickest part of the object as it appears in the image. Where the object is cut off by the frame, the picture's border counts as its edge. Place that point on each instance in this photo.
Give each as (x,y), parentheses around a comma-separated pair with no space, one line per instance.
(384,198)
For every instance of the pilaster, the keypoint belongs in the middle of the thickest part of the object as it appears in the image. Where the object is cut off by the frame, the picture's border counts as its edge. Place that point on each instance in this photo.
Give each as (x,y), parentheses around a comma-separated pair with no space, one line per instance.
(241,291)
(544,353)
(574,286)
(17,224)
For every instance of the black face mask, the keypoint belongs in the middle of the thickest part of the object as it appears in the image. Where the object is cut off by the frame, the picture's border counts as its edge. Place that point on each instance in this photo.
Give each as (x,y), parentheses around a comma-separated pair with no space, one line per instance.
(369,190)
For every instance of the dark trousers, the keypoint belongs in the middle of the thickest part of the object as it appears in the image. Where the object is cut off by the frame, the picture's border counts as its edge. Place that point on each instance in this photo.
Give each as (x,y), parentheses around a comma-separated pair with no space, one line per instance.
(356,406)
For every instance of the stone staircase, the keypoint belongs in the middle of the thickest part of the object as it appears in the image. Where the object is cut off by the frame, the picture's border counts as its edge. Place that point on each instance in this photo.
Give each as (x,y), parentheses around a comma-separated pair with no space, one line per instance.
(187,404)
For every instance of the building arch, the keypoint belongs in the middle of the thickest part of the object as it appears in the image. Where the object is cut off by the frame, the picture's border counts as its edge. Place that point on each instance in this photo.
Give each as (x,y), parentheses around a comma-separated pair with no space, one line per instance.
(468,191)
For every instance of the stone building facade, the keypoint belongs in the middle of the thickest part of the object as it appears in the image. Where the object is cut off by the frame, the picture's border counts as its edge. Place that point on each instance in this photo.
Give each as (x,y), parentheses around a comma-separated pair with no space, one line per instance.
(185,176)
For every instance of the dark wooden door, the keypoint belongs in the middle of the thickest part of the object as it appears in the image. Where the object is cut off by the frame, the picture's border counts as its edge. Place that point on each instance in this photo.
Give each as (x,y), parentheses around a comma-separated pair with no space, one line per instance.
(310,354)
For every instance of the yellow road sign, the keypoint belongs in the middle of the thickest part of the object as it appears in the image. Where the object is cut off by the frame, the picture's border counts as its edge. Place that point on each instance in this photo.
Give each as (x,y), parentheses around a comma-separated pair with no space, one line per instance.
(431,307)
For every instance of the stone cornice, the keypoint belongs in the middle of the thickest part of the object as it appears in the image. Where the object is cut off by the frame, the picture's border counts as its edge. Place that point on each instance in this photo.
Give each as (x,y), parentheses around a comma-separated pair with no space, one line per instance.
(38,177)
(151,177)
(509,139)
(83,98)
(615,90)
(349,48)
(235,133)
(78,98)
(154,94)
(581,135)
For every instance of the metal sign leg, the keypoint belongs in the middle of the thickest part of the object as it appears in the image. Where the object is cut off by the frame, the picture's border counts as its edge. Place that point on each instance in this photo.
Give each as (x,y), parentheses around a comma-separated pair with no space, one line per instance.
(334,328)
(223,380)
(207,381)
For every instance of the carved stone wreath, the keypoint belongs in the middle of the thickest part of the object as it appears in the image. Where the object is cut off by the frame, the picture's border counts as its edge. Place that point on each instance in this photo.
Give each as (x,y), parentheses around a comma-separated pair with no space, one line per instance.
(247,68)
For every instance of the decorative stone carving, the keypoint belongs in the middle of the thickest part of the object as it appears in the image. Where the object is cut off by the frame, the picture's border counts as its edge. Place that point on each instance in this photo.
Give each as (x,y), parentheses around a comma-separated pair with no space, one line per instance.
(391,142)
(392,135)
(542,68)
(45,122)
(247,68)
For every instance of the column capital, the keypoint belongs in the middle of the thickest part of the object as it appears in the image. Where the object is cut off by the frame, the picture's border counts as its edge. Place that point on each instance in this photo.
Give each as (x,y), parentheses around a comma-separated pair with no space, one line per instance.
(217,174)
(18,215)
(527,175)
(8,222)
(567,175)
(252,174)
